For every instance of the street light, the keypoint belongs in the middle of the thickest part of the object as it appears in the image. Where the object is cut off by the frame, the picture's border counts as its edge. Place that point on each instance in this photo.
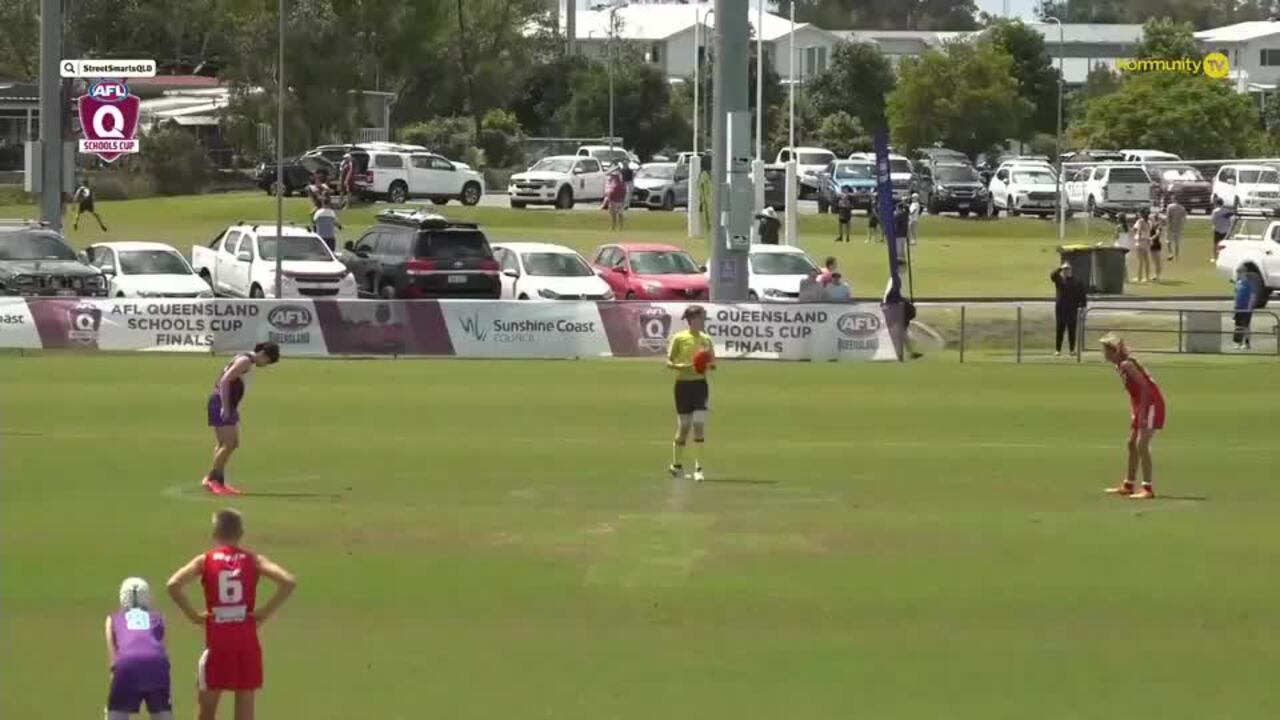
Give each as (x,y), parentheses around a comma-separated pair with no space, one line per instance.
(1062,203)
(280,151)
(792,187)
(613,23)
(700,21)
(757,167)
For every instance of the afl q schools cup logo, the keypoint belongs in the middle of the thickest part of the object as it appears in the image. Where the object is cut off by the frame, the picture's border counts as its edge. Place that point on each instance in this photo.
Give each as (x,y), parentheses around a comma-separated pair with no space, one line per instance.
(109,120)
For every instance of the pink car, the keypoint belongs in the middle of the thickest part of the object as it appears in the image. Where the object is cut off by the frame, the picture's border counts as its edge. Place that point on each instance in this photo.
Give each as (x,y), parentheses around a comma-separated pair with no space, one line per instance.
(650,272)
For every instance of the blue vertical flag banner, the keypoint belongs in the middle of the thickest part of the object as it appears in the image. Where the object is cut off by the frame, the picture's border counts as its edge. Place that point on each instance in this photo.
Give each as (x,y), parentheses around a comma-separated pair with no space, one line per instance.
(884,198)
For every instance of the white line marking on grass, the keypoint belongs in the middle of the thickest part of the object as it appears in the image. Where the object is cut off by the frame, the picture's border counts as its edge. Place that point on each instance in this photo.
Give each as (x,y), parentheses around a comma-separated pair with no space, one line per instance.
(653,550)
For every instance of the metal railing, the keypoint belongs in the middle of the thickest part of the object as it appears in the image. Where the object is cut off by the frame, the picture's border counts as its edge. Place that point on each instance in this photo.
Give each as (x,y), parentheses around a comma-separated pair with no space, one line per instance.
(1203,336)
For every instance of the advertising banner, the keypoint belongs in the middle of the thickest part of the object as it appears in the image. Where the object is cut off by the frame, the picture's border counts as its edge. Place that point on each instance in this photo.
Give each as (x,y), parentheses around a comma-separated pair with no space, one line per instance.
(462,328)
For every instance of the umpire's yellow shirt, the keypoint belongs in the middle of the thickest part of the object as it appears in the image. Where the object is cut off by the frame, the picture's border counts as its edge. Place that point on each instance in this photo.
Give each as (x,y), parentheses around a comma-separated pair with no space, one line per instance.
(684,345)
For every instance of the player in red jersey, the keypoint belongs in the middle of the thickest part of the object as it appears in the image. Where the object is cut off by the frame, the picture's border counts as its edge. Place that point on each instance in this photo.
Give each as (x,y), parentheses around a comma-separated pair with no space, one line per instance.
(232,659)
(1146,405)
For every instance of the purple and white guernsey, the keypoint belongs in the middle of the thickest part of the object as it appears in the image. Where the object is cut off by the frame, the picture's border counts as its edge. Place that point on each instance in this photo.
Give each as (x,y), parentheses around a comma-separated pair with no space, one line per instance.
(235,393)
(140,669)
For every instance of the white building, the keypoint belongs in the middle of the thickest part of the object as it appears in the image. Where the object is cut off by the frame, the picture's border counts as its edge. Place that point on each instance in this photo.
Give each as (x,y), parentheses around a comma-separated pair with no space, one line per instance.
(1253,50)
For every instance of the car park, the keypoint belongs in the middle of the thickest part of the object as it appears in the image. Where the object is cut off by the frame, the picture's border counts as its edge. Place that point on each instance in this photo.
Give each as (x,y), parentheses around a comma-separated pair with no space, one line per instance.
(559,180)
(146,270)
(1183,183)
(1253,245)
(858,175)
(661,186)
(650,272)
(901,172)
(810,162)
(609,156)
(35,260)
(1109,188)
(1149,156)
(1248,187)
(1094,156)
(952,187)
(1019,188)
(297,173)
(413,254)
(776,271)
(542,271)
(241,262)
(397,175)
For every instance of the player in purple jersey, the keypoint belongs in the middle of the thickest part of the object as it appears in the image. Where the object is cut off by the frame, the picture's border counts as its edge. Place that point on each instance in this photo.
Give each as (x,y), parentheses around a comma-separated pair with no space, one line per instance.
(224,411)
(139,662)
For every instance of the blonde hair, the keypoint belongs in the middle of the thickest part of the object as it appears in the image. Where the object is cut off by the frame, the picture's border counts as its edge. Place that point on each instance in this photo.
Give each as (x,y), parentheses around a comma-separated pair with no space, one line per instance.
(1113,341)
(228,525)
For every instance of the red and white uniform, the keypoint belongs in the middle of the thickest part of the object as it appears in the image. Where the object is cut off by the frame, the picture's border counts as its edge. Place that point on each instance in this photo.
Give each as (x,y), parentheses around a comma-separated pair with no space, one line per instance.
(1151,415)
(232,659)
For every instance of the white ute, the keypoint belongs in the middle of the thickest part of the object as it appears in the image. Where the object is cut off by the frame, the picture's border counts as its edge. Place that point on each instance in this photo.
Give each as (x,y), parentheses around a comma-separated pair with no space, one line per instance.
(1255,252)
(241,262)
(560,180)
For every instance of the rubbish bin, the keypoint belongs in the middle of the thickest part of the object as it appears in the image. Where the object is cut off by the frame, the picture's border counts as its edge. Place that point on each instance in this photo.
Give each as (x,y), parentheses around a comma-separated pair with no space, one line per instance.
(1109,270)
(1202,332)
(1080,258)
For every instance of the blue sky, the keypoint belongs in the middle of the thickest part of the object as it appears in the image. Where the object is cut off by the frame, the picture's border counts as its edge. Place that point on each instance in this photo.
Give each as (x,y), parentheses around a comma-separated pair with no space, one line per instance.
(1023,8)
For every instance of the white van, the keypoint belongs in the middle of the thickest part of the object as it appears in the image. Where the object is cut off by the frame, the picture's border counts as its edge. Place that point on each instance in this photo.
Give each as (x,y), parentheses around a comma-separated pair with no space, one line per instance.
(1248,187)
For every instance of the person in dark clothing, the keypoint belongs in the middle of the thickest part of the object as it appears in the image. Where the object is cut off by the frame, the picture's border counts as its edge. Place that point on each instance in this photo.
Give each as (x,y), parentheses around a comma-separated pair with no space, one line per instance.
(628,177)
(770,226)
(1247,285)
(1071,297)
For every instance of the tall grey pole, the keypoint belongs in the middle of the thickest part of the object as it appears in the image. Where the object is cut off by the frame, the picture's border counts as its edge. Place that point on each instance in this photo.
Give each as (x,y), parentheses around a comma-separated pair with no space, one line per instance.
(731,154)
(51,109)
(613,14)
(1062,202)
(760,80)
(280,153)
(571,26)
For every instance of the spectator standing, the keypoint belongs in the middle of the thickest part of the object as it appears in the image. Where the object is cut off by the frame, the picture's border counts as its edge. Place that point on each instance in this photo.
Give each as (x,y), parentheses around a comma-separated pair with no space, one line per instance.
(902,311)
(1222,219)
(1157,242)
(629,178)
(1246,300)
(615,199)
(324,222)
(347,178)
(844,207)
(1175,218)
(913,218)
(1142,246)
(873,220)
(901,226)
(838,290)
(704,192)
(1070,297)
(828,271)
(770,226)
(811,290)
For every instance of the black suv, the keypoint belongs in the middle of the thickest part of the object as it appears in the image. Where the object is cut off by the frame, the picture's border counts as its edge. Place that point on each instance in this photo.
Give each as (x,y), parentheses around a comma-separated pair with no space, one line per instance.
(412,254)
(297,174)
(952,187)
(35,260)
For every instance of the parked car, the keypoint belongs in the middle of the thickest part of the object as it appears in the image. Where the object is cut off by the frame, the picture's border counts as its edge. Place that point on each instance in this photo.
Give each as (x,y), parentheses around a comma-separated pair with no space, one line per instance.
(1018,189)
(1183,183)
(560,180)
(1252,245)
(1092,155)
(146,269)
(609,156)
(1248,187)
(1109,188)
(901,172)
(1149,156)
(775,272)
(397,176)
(541,271)
(661,186)
(952,187)
(35,260)
(775,187)
(930,155)
(297,173)
(810,161)
(650,272)
(241,262)
(413,254)
(859,175)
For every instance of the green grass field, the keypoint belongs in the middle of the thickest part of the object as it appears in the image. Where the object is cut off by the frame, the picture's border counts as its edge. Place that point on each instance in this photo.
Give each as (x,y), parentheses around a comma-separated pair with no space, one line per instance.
(480,540)
(956,258)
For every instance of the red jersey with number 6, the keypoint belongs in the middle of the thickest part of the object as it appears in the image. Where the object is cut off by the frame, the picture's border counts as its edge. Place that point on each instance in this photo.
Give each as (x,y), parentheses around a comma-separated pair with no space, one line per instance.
(230,583)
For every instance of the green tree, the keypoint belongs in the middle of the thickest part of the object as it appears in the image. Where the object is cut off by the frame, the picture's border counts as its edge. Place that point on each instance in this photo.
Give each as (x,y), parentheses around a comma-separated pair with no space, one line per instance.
(857,80)
(452,137)
(1164,39)
(175,161)
(1099,83)
(20,41)
(1037,78)
(964,95)
(842,134)
(543,90)
(1191,115)
(643,114)
(500,136)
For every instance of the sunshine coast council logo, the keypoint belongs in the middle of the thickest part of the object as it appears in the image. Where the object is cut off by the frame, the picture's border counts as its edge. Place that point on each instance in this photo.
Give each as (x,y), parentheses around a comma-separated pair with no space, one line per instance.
(1214,65)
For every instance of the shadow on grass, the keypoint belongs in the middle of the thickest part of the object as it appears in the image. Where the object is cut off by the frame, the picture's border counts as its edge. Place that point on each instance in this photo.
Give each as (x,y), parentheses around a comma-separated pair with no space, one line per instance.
(331,497)
(1186,498)
(739,481)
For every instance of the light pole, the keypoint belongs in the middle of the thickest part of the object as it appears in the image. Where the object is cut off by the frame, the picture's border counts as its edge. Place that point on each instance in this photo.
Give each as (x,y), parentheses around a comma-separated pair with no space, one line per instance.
(694,206)
(757,167)
(792,188)
(613,34)
(1062,202)
(280,151)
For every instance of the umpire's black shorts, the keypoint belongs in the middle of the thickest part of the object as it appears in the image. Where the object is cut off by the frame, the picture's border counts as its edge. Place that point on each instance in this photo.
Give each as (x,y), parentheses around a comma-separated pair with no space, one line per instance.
(691,396)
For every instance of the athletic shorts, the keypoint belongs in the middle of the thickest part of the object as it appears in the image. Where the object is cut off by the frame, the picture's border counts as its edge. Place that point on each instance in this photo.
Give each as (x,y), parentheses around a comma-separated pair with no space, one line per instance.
(1219,236)
(215,413)
(236,667)
(86,207)
(131,686)
(691,396)
(1154,419)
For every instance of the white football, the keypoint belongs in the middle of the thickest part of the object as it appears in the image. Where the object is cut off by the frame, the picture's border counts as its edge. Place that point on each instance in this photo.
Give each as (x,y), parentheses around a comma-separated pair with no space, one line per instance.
(135,593)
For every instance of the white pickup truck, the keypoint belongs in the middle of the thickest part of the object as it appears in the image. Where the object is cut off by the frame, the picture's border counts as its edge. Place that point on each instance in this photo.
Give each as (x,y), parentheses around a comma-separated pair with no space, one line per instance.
(241,262)
(1252,244)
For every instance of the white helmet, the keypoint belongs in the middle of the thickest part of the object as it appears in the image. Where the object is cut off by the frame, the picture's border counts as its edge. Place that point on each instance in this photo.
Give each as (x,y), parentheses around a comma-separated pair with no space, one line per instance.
(135,593)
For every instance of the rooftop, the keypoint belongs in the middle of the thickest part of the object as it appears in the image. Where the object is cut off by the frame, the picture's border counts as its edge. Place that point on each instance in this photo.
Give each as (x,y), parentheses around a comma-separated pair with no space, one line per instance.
(1240,32)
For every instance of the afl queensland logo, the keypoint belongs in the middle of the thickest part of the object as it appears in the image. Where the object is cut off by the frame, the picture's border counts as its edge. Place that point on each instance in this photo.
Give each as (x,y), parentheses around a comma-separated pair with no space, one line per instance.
(859,331)
(655,326)
(108,120)
(290,325)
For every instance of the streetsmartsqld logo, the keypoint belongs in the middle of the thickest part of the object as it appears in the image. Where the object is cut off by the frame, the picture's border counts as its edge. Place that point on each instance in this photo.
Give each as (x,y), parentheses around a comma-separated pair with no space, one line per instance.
(1214,65)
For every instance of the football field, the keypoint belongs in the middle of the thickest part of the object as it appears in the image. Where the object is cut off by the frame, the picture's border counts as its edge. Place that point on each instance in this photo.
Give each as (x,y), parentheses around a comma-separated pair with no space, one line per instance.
(499,540)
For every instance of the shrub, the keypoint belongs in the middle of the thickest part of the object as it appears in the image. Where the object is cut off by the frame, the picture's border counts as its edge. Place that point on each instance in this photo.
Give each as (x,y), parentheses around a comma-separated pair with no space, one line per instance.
(175,161)
(500,136)
(449,136)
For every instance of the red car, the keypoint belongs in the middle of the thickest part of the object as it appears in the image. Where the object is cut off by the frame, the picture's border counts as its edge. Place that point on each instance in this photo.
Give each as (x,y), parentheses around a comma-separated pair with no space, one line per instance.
(650,272)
